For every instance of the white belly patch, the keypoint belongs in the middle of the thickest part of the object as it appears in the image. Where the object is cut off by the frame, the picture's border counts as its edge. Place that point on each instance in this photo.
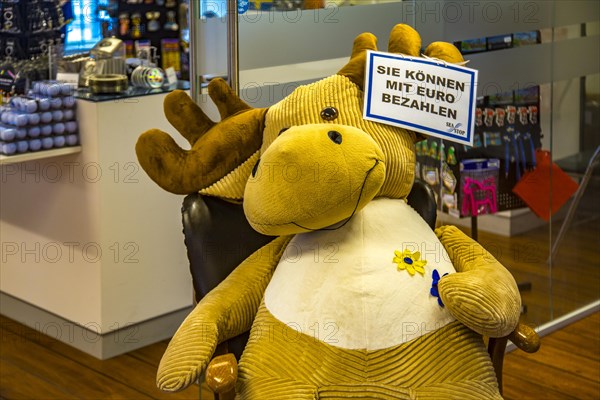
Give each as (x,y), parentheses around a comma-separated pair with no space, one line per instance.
(352,287)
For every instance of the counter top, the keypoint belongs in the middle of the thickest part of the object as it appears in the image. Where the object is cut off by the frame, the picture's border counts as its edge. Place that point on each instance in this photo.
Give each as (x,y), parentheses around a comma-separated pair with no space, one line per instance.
(85,94)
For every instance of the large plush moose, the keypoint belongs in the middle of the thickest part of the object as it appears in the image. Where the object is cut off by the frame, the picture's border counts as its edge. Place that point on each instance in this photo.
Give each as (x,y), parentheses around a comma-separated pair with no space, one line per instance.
(356,296)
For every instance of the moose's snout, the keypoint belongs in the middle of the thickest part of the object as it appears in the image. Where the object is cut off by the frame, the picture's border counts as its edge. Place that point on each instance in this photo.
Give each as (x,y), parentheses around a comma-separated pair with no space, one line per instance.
(314,176)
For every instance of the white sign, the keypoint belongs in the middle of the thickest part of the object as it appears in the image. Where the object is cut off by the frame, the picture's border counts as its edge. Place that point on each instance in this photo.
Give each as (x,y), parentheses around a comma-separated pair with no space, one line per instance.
(68,77)
(424,95)
(171,76)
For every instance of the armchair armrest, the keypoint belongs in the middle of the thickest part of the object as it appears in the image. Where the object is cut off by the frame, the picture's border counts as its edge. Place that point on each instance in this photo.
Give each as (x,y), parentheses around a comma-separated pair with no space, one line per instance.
(222,373)
(525,338)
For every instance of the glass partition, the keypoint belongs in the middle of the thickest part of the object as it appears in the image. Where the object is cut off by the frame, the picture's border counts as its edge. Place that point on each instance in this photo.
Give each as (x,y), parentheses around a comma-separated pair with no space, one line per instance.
(537,60)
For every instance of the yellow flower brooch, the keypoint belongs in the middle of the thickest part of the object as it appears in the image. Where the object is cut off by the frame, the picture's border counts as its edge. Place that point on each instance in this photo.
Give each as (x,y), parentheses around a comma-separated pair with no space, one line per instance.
(410,262)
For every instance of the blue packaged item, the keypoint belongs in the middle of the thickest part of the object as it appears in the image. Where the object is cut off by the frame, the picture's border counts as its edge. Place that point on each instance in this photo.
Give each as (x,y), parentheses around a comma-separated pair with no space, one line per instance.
(22,146)
(71,140)
(57,116)
(43,103)
(34,131)
(47,143)
(71,126)
(47,88)
(7,134)
(33,119)
(68,115)
(59,141)
(18,119)
(56,103)
(66,89)
(58,128)
(68,102)
(8,148)
(46,117)
(46,130)
(24,104)
(35,144)
(21,119)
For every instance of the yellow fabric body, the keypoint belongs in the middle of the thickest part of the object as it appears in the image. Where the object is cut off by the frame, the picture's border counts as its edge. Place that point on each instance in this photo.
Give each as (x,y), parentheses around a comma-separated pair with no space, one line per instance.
(225,312)
(231,186)
(282,363)
(484,295)
(278,361)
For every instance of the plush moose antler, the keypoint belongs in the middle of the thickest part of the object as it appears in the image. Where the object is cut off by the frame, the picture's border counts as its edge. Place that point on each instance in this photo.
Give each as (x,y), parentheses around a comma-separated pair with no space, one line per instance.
(403,40)
(217,149)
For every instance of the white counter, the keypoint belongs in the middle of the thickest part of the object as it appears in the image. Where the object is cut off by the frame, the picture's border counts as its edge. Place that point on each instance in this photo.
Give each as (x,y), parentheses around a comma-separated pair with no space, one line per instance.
(89,243)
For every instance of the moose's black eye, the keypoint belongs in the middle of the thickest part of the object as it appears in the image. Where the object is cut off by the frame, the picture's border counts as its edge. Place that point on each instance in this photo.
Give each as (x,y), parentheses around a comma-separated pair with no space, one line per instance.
(335,137)
(283,130)
(255,168)
(329,113)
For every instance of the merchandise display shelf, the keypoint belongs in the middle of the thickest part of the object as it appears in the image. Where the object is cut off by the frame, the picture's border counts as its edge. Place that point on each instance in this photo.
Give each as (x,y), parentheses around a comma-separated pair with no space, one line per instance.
(132,93)
(38,155)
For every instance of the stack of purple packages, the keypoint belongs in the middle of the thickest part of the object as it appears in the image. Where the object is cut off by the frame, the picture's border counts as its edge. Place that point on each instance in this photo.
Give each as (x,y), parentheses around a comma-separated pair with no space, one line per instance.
(43,119)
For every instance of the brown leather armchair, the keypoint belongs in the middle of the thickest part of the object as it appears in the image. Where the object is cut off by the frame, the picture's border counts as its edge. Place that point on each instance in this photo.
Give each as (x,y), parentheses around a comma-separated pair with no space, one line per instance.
(218,238)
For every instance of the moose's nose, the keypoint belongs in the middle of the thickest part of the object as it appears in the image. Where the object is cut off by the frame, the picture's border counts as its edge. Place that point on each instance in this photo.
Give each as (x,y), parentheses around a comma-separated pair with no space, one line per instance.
(335,137)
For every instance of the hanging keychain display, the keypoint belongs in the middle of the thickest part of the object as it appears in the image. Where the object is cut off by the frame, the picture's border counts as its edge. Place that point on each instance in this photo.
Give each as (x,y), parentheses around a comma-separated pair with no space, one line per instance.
(136,21)
(171,24)
(153,23)
(124,24)
(507,129)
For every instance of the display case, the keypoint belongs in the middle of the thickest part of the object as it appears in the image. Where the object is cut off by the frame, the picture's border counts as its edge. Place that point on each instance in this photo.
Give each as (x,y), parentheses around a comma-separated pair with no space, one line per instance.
(29,28)
(154,28)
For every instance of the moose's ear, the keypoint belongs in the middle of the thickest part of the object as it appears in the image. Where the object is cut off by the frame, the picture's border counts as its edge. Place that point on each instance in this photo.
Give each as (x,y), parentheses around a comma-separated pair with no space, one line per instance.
(355,69)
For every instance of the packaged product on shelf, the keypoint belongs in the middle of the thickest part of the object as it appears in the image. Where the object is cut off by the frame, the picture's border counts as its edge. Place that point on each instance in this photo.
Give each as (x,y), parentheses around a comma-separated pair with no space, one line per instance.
(41,120)
(499,42)
(171,55)
(129,49)
(472,46)
(479,187)
(526,38)
(34,131)
(507,129)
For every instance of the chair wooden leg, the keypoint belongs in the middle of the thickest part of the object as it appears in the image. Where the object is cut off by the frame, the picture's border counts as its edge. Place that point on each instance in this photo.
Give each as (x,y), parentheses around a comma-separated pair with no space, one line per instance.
(496,349)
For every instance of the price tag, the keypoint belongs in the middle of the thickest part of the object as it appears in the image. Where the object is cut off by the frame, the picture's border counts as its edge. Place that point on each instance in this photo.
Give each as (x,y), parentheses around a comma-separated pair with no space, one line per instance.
(420,94)
(69,77)
(171,76)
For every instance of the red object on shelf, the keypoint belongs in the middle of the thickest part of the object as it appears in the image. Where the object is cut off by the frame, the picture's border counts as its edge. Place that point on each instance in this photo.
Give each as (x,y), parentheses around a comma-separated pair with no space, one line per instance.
(535,188)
